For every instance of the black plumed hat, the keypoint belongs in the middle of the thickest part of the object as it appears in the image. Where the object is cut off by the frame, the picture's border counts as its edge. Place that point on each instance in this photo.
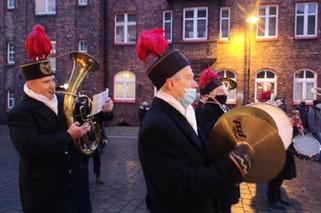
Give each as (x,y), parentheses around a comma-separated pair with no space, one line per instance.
(38,47)
(168,64)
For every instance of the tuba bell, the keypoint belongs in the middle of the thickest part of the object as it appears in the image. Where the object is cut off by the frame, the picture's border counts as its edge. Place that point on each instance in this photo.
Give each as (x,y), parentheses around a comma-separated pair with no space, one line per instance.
(76,107)
(228,83)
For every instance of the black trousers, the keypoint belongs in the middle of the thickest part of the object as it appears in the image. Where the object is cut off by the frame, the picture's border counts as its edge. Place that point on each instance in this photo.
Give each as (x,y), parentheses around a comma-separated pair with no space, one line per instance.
(96,160)
(274,189)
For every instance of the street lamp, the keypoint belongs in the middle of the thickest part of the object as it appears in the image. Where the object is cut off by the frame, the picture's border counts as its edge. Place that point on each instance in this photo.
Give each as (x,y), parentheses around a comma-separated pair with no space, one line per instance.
(252,20)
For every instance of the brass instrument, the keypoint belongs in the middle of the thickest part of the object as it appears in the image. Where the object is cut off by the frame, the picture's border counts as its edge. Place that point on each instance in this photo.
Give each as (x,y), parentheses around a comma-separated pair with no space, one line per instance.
(77,108)
(228,83)
(316,91)
(262,130)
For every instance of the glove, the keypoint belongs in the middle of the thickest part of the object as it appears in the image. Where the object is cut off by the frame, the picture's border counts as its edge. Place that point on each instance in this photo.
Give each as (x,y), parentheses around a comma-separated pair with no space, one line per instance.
(241,156)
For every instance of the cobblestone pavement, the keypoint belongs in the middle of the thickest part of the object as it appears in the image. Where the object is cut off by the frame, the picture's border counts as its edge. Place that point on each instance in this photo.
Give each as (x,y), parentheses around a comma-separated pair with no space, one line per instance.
(124,189)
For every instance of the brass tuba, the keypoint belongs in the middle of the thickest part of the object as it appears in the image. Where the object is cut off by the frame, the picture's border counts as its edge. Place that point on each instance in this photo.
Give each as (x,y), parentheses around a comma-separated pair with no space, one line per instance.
(77,108)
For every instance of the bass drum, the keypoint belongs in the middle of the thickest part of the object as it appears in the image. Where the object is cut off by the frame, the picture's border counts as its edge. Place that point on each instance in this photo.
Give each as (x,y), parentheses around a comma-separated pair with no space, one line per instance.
(281,119)
(306,146)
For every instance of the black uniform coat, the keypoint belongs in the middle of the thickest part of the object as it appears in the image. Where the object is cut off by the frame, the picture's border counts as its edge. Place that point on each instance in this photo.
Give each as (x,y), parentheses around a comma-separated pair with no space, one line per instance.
(206,118)
(175,162)
(53,176)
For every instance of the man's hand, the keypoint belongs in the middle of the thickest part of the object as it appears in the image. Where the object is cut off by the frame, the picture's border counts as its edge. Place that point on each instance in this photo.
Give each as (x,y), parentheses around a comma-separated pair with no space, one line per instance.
(242,155)
(77,131)
(108,105)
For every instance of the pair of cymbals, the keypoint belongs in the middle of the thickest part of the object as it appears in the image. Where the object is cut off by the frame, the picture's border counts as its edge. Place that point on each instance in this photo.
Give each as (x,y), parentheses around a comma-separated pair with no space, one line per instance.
(256,127)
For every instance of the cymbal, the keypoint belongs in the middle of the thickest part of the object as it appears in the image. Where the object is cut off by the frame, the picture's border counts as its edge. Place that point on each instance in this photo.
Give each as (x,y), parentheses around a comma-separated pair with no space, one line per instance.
(229,83)
(269,152)
(282,120)
(256,112)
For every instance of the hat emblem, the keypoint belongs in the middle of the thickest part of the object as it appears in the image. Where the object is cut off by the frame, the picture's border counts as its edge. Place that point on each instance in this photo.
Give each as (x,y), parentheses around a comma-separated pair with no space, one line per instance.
(45,68)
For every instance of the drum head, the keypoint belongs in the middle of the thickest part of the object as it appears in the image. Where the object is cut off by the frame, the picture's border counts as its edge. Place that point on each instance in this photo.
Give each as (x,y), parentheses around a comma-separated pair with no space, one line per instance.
(306,145)
(282,121)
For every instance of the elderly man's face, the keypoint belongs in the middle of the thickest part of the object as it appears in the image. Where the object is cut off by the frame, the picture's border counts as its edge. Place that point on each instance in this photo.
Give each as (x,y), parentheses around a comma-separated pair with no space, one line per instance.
(184,79)
(43,86)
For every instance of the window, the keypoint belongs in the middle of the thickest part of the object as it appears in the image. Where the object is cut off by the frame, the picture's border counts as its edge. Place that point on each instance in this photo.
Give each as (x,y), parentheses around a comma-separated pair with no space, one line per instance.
(45,7)
(53,64)
(225,23)
(52,56)
(265,81)
(306,18)
(304,81)
(10,53)
(11,4)
(125,28)
(231,95)
(167,24)
(82,2)
(82,92)
(125,86)
(267,26)
(53,45)
(10,100)
(195,23)
(83,46)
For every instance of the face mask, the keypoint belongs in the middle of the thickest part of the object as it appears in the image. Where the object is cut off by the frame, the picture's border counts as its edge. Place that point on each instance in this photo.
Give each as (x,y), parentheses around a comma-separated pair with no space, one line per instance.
(189,97)
(221,99)
(318,106)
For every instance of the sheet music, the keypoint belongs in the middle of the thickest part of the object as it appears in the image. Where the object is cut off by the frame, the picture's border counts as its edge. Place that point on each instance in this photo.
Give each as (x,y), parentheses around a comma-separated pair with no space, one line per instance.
(98,102)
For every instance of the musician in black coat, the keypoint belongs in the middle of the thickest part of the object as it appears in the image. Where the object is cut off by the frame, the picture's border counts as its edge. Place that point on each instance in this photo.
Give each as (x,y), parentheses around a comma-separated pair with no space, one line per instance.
(179,175)
(288,171)
(211,111)
(53,175)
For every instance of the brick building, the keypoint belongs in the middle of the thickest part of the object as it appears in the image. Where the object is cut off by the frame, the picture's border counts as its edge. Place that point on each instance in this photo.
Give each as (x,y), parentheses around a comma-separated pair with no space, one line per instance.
(280,53)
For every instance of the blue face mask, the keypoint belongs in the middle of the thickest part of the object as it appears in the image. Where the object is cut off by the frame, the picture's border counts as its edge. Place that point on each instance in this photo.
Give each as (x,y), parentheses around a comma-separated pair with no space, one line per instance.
(189,97)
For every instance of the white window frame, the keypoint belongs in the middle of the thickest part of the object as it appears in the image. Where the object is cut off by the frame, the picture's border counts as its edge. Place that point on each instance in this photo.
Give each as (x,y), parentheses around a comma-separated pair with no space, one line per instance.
(10,100)
(228,19)
(54,47)
(83,46)
(125,24)
(53,62)
(265,80)
(267,18)
(168,22)
(11,53)
(195,19)
(11,4)
(125,84)
(231,95)
(47,11)
(305,20)
(82,2)
(304,81)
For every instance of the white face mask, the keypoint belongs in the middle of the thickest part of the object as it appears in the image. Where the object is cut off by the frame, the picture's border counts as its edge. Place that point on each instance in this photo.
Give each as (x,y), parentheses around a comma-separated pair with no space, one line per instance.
(318,106)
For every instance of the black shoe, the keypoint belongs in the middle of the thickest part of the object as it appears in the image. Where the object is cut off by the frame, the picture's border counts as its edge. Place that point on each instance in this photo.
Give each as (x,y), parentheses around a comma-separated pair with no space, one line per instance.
(277,205)
(285,202)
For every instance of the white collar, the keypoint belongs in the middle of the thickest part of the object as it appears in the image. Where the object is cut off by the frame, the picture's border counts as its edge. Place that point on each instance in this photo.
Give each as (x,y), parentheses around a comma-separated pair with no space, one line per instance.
(188,113)
(52,104)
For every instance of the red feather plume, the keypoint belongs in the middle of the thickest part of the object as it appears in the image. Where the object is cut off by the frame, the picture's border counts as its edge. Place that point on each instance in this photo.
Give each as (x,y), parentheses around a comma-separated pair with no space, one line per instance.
(265,96)
(206,76)
(37,44)
(151,42)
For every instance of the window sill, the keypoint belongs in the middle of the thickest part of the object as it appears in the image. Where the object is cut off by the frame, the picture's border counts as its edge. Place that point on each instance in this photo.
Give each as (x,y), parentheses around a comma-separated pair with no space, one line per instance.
(124,101)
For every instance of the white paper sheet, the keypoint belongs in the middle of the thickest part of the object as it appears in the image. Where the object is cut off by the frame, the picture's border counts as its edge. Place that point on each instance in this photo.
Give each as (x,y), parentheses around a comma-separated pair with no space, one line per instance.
(98,102)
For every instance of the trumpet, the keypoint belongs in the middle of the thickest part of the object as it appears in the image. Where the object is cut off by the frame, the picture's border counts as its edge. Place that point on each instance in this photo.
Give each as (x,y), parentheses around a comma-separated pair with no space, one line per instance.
(228,83)
(316,91)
